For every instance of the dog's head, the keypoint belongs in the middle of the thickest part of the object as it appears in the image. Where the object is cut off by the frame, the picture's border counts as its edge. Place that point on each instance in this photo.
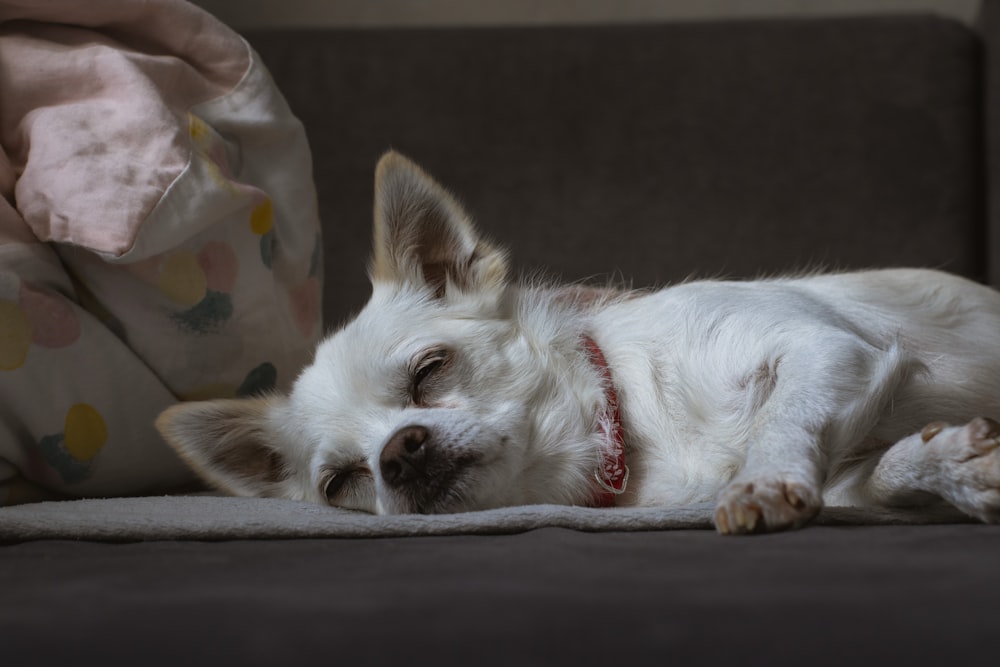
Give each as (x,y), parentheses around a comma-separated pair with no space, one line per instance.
(448,391)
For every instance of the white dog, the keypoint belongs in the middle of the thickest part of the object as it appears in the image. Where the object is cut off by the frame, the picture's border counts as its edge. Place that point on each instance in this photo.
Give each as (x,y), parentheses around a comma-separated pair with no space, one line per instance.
(456,389)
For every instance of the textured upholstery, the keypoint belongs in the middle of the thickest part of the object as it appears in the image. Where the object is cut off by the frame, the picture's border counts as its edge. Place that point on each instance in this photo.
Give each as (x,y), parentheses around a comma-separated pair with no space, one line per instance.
(890,595)
(658,152)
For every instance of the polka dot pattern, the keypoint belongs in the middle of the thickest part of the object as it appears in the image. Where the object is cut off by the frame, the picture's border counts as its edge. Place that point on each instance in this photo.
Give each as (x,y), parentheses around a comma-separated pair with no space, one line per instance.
(207,315)
(39,317)
(72,453)
(182,280)
(201,283)
(197,128)
(260,380)
(267,249)
(262,218)
(53,322)
(85,432)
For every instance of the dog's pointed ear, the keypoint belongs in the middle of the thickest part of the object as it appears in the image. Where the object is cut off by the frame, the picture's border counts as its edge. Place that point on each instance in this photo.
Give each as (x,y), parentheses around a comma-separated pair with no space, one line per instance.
(230,443)
(423,236)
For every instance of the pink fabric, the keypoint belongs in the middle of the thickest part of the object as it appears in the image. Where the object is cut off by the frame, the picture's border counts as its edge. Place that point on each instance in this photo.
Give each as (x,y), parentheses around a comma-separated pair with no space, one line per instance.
(92,131)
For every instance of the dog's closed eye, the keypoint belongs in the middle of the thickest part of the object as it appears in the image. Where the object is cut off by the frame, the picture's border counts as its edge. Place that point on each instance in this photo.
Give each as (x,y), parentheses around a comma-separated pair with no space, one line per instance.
(339,485)
(425,372)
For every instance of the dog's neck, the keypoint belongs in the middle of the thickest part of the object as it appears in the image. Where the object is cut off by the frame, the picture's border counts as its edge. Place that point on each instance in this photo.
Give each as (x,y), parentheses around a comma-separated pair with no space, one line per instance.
(611,474)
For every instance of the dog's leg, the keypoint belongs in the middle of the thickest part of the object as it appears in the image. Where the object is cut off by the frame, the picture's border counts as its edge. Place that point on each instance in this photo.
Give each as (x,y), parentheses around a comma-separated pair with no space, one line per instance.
(821,401)
(960,464)
(778,488)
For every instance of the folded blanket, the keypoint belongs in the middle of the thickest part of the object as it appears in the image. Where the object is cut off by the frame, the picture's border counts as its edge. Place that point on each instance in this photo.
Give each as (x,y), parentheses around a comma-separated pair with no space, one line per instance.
(218,518)
(158,237)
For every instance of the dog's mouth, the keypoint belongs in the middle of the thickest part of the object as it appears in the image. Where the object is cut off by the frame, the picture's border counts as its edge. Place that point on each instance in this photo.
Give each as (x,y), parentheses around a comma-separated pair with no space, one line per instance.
(441,494)
(418,476)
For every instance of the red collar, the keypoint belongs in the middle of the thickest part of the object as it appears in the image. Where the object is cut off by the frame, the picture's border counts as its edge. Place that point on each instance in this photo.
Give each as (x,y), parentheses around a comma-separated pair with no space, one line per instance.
(612,474)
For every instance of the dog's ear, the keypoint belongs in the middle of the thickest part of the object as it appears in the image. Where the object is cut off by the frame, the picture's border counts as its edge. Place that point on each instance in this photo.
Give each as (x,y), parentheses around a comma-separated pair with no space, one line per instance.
(422,235)
(229,442)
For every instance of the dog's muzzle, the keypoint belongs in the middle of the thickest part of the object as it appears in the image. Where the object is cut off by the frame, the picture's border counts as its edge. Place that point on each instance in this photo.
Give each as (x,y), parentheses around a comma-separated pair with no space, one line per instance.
(421,471)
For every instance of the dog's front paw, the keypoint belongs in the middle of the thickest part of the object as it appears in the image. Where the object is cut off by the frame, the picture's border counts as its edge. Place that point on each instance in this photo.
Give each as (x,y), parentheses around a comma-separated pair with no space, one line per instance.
(766,504)
(970,466)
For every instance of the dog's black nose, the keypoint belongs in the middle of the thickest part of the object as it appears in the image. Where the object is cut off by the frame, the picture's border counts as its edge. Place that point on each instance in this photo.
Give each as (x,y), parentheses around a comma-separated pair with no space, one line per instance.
(404,457)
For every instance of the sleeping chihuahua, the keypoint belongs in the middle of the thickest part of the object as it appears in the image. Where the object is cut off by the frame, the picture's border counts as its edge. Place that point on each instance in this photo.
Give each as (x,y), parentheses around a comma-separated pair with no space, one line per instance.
(457,389)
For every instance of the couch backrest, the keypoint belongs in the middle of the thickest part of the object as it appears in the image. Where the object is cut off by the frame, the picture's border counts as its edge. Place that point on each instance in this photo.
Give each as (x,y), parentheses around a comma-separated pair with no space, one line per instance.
(657,152)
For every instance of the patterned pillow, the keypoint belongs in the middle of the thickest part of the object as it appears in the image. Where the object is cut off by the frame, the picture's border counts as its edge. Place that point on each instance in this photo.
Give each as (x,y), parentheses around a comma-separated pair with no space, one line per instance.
(159,238)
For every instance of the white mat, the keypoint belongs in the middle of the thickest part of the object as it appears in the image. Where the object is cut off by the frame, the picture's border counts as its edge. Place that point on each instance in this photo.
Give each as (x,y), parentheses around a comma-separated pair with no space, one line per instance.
(218,518)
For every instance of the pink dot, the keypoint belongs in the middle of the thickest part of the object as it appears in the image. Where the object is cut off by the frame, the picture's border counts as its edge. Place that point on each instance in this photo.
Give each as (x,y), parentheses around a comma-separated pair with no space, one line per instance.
(305,305)
(220,264)
(53,322)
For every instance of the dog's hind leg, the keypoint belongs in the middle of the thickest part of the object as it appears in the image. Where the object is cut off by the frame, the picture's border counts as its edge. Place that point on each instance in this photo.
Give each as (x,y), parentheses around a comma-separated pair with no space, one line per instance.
(960,464)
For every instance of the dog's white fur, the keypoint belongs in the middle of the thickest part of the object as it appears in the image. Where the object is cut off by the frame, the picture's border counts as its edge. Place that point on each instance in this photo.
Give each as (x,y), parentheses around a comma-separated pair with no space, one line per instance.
(456,389)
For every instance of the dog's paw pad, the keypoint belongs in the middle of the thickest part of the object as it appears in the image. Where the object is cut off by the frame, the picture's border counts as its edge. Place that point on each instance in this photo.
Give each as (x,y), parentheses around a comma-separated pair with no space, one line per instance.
(970,457)
(765,505)
(794,499)
(984,435)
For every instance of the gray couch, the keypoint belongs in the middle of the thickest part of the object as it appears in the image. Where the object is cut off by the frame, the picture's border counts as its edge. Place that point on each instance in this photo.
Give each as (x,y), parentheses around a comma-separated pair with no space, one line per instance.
(649,153)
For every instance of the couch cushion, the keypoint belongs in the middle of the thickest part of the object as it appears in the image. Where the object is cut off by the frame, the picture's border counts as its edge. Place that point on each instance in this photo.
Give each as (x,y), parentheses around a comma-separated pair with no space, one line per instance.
(894,595)
(657,151)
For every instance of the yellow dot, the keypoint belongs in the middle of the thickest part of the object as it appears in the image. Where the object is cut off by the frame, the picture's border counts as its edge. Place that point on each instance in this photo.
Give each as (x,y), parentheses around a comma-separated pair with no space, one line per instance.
(15,336)
(182,279)
(196,127)
(262,218)
(85,432)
